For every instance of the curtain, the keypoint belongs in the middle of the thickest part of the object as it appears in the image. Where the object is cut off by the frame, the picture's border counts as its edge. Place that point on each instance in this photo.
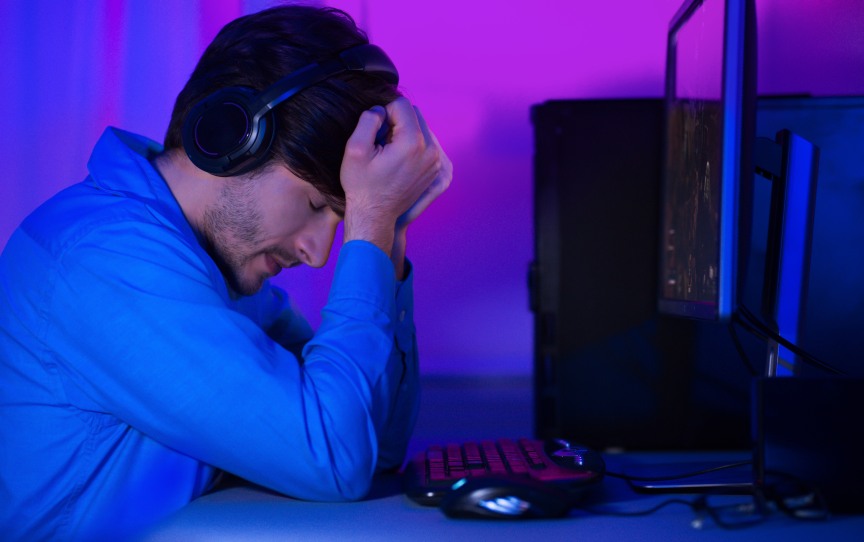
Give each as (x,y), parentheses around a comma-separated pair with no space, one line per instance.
(73,68)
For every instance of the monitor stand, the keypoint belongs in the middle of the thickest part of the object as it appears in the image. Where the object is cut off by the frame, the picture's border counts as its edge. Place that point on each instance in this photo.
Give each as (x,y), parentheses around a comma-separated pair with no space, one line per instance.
(678,477)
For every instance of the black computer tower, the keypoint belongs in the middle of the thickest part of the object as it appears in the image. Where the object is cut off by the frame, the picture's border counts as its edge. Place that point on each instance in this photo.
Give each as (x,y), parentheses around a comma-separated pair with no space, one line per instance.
(608,370)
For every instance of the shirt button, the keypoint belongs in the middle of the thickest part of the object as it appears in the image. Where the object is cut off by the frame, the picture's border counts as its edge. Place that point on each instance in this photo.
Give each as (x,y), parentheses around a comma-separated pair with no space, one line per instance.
(402,316)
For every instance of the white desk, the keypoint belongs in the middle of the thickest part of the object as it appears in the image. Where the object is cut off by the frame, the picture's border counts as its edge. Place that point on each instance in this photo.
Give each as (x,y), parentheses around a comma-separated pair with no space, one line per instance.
(252,514)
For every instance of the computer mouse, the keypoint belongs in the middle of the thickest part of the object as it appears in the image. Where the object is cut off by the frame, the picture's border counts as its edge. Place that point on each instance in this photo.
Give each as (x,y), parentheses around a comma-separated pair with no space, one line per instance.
(499,498)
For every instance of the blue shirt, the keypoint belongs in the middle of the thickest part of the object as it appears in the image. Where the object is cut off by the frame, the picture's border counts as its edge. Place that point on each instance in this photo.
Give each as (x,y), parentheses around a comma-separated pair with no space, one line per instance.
(129,373)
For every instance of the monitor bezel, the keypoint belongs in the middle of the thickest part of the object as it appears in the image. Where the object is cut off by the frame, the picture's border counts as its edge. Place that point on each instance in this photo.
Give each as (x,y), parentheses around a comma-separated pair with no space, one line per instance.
(734,158)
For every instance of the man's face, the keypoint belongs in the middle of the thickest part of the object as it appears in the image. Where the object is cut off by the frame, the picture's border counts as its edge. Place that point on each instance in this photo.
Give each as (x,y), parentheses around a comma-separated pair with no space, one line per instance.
(259,225)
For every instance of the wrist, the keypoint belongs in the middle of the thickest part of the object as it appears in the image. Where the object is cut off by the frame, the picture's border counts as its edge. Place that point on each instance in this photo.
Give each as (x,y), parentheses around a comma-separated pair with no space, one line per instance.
(371,227)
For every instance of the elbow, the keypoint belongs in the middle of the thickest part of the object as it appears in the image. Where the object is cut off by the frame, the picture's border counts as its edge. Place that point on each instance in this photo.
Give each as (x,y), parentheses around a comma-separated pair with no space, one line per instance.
(325,487)
(345,477)
(341,489)
(353,490)
(343,482)
(351,468)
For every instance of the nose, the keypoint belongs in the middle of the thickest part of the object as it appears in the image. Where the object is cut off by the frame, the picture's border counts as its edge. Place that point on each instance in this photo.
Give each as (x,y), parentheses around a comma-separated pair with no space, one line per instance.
(314,244)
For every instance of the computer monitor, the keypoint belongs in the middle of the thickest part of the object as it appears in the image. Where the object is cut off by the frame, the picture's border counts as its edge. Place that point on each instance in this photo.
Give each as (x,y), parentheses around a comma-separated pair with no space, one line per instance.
(707,205)
(707,181)
(708,169)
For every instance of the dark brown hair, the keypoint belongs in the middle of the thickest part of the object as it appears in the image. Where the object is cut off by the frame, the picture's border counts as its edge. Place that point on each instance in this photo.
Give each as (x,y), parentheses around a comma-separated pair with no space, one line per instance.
(313,126)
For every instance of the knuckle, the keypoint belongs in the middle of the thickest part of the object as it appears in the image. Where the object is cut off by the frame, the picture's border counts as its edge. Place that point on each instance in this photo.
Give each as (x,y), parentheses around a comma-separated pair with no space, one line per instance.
(418,143)
(354,149)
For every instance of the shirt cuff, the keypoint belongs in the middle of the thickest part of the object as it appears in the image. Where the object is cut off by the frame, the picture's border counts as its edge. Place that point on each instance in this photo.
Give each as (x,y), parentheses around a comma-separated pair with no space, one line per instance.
(364,273)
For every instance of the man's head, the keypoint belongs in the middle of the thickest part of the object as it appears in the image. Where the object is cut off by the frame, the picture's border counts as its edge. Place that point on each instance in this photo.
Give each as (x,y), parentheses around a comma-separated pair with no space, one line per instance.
(286,211)
(313,126)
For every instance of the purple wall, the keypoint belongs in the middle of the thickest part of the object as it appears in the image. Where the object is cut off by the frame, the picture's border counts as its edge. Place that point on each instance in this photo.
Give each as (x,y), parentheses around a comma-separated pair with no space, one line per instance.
(474,68)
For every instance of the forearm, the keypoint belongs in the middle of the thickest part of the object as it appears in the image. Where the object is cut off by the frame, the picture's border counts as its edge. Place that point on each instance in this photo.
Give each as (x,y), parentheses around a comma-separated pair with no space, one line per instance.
(399,389)
(404,397)
(396,394)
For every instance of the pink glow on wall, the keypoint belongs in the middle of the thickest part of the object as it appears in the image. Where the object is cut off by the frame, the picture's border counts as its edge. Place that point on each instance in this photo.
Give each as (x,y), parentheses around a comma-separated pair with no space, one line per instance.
(811,47)
(474,69)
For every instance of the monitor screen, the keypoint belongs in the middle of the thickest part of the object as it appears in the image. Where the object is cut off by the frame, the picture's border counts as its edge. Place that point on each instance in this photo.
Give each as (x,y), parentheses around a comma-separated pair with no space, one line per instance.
(709,96)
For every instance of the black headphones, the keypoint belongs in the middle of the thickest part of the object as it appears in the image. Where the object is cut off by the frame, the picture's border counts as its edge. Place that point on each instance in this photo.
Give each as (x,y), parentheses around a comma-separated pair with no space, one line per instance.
(230,132)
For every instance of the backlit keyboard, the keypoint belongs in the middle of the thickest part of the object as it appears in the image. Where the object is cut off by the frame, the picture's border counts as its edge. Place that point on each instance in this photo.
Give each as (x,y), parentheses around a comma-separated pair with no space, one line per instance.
(431,473)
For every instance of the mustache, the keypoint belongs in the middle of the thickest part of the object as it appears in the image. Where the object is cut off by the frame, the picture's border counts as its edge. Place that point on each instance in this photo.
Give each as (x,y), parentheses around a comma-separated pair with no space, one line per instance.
(285,258)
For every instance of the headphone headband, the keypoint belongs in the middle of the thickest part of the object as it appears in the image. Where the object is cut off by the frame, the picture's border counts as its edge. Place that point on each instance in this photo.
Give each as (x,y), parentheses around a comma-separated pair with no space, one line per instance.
(230,132)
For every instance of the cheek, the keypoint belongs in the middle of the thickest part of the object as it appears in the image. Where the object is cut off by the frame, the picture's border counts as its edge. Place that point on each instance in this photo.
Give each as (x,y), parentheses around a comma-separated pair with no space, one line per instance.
(287,222)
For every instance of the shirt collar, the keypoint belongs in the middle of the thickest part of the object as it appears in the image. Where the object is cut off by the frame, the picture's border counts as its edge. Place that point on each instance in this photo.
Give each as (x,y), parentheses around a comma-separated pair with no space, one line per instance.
(121,164)
(120,160)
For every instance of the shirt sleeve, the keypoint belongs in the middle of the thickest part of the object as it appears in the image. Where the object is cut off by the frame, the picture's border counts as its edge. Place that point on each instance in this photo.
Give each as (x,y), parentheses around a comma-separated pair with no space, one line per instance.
(142,331)
(399,389)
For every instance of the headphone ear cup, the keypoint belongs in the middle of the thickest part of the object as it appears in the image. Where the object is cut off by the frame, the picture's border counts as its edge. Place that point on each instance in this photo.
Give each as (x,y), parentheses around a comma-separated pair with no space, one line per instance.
(221,135)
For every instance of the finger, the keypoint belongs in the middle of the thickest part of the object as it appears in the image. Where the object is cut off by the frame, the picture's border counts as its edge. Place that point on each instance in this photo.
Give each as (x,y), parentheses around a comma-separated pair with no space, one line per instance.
(430,138)
(438,186)
(362,140)
(446,166)
(402,117)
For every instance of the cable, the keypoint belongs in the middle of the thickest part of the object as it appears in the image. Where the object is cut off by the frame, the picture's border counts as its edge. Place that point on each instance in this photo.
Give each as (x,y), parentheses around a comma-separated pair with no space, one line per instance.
(730,517)
(631,478)
(793,498)
(741,353)
(767,332)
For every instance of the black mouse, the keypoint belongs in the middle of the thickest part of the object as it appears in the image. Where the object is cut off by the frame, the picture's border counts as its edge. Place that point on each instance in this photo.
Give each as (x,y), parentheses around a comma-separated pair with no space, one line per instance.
(505,499)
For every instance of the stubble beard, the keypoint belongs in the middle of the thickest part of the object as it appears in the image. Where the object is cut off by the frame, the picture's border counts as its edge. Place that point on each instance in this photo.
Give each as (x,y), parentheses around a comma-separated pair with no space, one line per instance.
(231,229)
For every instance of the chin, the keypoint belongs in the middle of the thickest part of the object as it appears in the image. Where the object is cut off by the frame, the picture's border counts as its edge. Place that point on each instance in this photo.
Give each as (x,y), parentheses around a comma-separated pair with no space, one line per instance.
(244,285)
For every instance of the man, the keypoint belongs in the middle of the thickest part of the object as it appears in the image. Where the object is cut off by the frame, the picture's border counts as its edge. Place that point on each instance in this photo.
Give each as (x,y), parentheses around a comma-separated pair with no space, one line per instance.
(142,348)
